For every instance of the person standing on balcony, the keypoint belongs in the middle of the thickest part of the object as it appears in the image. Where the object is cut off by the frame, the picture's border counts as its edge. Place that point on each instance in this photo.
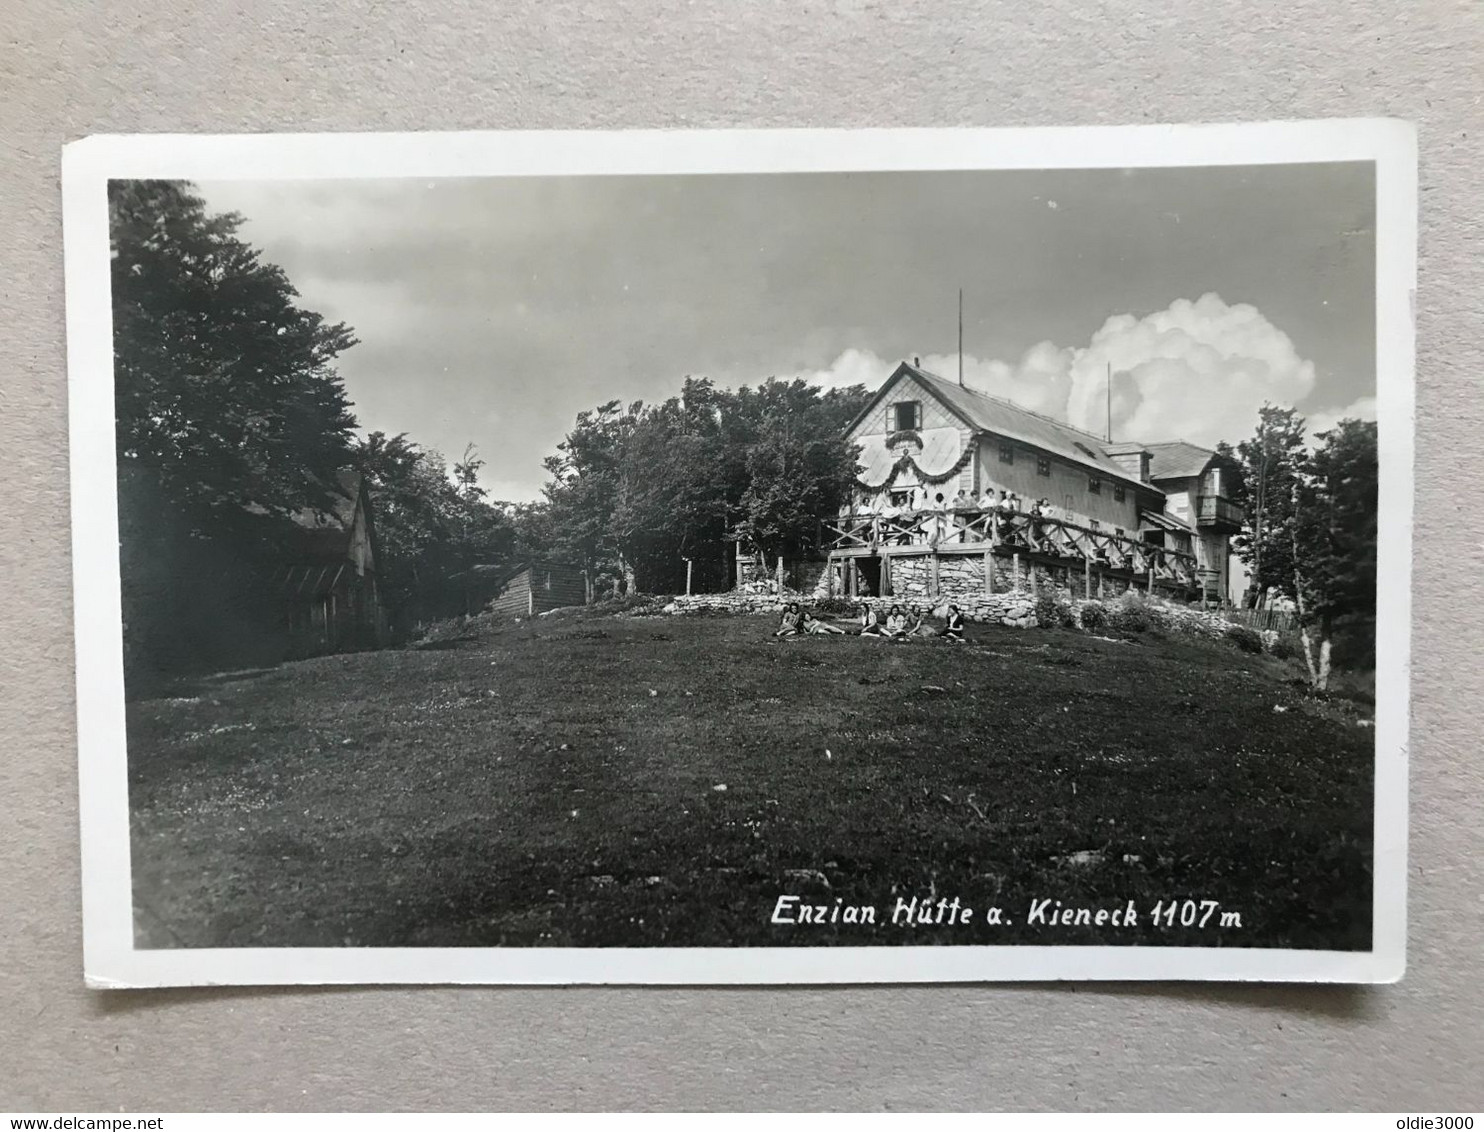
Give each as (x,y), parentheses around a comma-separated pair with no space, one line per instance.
(1009,518)
(962,505)
(1037,527)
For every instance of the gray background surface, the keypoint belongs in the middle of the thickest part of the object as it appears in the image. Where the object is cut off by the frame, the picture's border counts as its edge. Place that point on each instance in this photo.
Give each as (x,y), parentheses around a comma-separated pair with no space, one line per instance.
(70,68)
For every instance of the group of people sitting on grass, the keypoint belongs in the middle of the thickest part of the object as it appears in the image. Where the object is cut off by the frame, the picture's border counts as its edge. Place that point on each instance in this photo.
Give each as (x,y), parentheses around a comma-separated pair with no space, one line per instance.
(899,625)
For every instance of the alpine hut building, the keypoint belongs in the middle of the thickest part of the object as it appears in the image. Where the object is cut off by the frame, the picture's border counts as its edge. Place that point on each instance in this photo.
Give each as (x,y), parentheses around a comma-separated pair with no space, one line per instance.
(961,493)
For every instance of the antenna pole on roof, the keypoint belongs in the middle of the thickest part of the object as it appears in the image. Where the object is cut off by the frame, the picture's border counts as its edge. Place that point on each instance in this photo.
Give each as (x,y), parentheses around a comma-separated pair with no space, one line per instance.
(960,336)
(1110,402)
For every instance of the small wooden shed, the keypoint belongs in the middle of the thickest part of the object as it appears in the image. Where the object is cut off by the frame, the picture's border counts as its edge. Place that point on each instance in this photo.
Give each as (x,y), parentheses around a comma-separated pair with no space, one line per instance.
(535,587)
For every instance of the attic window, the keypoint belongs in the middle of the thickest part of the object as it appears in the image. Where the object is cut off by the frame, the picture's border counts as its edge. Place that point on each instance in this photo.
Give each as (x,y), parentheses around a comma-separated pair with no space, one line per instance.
(1118,493)
(908,415)
(1043,466)
(1007,454)
(1095,485)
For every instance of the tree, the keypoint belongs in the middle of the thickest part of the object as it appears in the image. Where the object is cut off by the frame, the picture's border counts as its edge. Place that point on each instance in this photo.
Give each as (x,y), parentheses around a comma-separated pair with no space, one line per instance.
(225,390)
(230,416)
(638,491)
(466,474)
(583,493)
(1234,480)
(1334,539)
(431,527)
(800,467)
(1272,467)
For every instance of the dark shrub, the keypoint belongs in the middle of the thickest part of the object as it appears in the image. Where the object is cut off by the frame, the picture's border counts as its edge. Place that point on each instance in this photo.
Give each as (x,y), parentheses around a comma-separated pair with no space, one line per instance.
(834,606)
(1093,617)
(1129,618)
(1051,613)
(1248,640)
(1286,647)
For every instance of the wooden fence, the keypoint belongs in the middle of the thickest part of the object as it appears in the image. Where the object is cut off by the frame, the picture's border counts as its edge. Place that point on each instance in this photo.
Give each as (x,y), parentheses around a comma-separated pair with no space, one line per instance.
(1279,620)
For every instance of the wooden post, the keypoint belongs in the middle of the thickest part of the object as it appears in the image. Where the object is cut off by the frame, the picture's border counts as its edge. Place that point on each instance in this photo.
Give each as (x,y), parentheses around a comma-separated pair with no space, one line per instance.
(829,576)
(885,575)
(989,571)
(933,580)
(688,565)
(1015,569)
(1030,567)
(1151,579)
(780,574)
(1087,578)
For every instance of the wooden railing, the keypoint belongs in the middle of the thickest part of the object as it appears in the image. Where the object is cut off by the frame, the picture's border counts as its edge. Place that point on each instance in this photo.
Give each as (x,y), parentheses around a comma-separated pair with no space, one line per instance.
(1216,509)
(1008,532)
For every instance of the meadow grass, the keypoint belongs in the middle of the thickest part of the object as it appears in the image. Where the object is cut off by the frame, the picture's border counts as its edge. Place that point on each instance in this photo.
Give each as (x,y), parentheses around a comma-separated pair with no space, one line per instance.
(617,780)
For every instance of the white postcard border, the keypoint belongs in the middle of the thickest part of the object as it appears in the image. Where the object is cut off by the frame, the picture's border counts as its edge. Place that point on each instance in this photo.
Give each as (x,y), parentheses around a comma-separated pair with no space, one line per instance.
(110,959)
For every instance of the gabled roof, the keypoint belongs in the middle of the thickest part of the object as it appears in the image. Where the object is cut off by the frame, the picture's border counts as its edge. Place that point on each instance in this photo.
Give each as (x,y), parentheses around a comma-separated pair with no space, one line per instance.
(324,533)
(1165,520)
(1177,459)
(984,412)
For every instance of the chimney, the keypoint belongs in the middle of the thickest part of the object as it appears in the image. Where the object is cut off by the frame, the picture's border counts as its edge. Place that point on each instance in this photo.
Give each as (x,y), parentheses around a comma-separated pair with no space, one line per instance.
(916,361)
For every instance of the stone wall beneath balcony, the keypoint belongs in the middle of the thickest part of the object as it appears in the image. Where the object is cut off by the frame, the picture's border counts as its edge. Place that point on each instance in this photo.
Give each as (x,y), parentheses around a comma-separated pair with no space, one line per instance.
(961,577)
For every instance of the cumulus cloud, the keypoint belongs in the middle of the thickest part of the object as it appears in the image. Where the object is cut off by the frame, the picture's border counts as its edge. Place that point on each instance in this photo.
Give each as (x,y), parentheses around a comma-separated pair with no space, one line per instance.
(1362,409)
(1198,370)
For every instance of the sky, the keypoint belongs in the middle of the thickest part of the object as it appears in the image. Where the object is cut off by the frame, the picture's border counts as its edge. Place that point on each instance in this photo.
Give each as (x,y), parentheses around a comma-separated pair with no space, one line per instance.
(491,311)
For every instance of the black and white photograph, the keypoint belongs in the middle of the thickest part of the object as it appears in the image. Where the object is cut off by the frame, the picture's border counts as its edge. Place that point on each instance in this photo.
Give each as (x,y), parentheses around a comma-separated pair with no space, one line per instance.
(754,557)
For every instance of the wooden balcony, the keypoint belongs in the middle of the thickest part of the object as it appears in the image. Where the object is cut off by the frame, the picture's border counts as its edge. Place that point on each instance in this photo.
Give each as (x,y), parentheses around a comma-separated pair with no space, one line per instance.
(1216,513)
(974,531)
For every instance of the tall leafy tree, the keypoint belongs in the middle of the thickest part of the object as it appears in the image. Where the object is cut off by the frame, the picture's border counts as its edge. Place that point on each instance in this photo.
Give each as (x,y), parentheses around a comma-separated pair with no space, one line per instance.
(229,416)
(799,465)
(1273,461)
(1234,479)
(432,527)
(587,479)
(1334,539)
(638,491)
(226,394)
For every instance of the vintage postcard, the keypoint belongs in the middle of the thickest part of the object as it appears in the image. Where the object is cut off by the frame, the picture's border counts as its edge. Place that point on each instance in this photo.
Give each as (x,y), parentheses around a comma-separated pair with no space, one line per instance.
(743,556)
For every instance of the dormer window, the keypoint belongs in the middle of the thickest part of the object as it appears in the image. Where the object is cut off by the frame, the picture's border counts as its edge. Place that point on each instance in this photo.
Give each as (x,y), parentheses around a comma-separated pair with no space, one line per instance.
(1095,485)
(1007,454)
(908,415)
(1118,493)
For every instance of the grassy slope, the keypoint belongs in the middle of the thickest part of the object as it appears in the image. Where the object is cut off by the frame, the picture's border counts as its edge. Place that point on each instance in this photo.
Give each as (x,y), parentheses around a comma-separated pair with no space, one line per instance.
(555,783)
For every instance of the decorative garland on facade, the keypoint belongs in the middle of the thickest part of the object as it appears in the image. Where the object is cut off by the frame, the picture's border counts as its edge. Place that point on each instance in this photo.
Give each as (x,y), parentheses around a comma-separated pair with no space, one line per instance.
(908,464)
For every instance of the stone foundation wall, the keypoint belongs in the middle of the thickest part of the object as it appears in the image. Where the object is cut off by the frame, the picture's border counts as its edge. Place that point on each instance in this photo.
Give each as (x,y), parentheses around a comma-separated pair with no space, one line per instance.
(1012,608)
(961,576)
